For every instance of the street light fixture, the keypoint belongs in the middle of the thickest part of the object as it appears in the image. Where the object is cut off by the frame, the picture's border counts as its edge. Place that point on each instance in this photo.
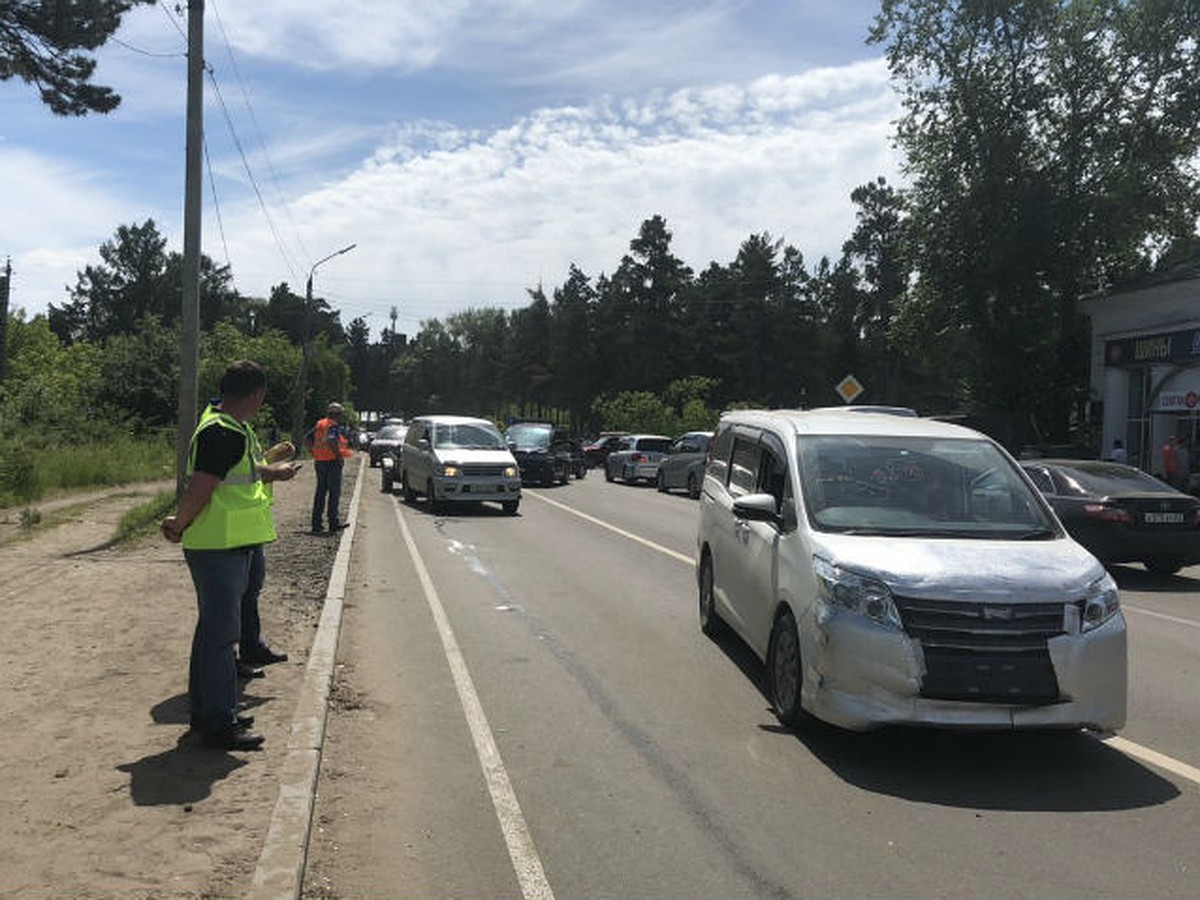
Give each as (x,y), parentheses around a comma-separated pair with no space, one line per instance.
(306,348)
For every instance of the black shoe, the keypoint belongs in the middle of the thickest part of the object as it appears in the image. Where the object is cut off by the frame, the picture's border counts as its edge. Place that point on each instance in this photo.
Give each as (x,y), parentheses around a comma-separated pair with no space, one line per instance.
(246,672)
(316,530)
(233,739)
(263,656)
(242,722)
(339,526)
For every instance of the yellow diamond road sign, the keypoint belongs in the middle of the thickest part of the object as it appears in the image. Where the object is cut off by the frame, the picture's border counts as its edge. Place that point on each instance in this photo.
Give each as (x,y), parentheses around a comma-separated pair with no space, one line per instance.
(849,388)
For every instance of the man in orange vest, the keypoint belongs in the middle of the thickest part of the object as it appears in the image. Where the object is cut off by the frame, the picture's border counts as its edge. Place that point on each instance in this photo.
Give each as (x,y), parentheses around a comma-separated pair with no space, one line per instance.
(329,447)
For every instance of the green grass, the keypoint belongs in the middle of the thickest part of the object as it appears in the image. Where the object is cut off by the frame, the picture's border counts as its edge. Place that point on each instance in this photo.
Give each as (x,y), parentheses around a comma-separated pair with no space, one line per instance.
(143,519)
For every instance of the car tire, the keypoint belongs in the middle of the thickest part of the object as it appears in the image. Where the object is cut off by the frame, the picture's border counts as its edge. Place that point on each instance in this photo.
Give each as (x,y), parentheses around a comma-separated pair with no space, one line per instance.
(710,622)
(580,473)
(510,507)
(785,670)
(410,496)
(660,482)
(1160,566)
(385,485)
(693,486)
(435,505)
(608,475)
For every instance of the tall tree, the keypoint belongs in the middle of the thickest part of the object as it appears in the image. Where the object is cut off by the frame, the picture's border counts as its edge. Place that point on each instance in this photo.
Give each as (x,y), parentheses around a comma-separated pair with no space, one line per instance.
(45,43)
(1049,142)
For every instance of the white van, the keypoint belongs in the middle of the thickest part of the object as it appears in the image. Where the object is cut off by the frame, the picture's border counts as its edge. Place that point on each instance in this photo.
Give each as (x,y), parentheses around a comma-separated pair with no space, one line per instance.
(458,459)
(894,569)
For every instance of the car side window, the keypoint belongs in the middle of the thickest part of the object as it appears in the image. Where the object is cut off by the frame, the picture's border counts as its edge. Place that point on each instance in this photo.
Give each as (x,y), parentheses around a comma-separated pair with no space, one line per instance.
(743,466)
(718,459)
(772,475)
(1041,478)
(415,432)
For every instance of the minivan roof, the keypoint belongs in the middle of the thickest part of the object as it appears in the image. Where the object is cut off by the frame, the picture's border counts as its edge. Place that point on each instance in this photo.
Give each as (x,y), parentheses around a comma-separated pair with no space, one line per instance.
(837,420)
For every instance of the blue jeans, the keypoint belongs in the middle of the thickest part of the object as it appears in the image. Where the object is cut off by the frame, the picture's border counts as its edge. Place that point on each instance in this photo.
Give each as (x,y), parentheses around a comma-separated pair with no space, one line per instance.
(329,488)
(251,630)
(221,578)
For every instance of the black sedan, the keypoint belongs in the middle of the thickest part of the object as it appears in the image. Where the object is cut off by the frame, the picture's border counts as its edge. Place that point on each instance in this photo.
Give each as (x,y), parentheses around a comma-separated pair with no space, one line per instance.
(1120,513)
(387,439)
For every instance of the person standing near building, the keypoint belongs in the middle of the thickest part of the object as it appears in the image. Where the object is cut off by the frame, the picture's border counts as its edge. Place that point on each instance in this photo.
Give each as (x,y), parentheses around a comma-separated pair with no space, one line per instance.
(330,446)
(1170,461)
(1119,454)
(223,519)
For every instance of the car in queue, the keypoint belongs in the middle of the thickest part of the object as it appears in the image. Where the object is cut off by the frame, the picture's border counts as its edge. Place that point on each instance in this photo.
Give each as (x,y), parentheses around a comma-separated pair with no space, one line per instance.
(455,460)
(899,570)
(1121,514)
(596,452)
(683,466)
(544,452)
(387,439)
(636,458)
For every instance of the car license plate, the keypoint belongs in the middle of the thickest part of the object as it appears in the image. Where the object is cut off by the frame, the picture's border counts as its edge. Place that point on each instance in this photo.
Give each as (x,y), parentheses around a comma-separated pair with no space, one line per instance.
(1163,518)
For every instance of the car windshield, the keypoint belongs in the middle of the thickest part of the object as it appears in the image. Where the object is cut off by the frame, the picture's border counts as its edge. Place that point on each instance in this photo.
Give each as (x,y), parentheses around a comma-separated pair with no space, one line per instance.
(919,486)
(528,437)
(390,433)
(1104,479)
(467,436)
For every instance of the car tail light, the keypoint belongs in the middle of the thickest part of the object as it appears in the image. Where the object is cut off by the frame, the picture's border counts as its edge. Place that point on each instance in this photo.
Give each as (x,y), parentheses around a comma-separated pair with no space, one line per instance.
(1107,513)
(640,457)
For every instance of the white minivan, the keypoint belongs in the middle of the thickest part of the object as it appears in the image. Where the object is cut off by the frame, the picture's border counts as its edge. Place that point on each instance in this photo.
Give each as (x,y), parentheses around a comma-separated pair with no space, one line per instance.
(894,569)
(458,459)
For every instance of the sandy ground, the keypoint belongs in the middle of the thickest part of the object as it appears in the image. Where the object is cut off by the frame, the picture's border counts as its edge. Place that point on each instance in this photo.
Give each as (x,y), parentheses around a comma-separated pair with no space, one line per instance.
(105,793)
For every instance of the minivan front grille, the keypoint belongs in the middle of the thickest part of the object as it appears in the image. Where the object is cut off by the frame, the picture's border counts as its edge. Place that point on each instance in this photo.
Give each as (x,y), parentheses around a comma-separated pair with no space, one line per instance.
(983,651)
(482,470)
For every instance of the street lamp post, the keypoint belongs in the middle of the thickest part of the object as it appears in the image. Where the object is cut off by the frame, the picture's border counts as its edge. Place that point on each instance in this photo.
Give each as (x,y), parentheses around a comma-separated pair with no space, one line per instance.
(306,349)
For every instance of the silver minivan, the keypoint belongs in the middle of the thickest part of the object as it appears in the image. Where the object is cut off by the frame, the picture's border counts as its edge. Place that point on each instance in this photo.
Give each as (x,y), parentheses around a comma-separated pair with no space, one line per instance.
(458,459)
(894,569)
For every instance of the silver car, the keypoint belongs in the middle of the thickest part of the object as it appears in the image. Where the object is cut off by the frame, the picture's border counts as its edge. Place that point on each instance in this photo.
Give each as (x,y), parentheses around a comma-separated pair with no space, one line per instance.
(683,466)
(893,569)
(636,458)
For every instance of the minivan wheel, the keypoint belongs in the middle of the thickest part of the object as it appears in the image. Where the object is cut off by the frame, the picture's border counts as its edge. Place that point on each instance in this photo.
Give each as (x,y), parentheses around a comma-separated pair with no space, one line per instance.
(510,507)
(661,482)
(785,671)
(434,504)
(608,475)
(710,622)
(410,496)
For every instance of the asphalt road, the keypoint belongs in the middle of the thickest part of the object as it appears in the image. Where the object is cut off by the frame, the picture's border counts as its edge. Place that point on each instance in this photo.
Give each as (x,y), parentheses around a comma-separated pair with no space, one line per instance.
(525,707)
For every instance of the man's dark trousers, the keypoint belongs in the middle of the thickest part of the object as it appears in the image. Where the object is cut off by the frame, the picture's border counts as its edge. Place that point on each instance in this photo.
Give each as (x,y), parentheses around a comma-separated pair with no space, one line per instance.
(329,493)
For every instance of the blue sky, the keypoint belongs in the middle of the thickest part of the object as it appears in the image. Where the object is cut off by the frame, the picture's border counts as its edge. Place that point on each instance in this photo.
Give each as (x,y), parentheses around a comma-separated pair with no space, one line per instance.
(469,148)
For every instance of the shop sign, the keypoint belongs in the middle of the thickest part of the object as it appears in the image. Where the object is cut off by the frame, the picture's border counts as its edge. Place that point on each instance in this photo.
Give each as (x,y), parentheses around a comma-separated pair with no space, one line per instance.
(1177,401)
(1173,347)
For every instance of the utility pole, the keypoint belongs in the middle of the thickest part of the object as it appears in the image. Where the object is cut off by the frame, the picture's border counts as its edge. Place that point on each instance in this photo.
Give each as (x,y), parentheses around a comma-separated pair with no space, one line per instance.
(189,342)
(5,287)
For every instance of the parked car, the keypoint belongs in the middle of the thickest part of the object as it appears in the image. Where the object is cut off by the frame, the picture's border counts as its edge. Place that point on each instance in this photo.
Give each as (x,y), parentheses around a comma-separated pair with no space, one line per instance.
(386,439)
(458,459)
(683,466)
(597,451)
(894,569)
(544,452)
(1120,513)
(636,458)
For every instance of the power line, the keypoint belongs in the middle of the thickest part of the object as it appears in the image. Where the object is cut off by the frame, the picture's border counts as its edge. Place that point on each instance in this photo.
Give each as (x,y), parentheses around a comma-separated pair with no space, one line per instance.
(216,204)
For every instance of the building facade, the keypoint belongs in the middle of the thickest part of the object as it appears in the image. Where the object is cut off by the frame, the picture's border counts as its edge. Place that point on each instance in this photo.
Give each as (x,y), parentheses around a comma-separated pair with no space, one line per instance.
(1145,367)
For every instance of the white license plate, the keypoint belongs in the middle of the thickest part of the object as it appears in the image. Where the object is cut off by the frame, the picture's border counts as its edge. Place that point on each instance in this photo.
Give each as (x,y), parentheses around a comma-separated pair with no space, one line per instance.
(1163,518)
(478,489)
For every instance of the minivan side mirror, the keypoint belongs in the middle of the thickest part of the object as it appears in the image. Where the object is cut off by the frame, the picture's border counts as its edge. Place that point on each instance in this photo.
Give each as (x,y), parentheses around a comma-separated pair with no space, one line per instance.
(423,443)
(756,508)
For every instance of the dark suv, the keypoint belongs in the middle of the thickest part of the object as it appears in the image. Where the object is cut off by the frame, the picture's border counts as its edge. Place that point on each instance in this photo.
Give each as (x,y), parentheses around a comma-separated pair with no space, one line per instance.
(544,452)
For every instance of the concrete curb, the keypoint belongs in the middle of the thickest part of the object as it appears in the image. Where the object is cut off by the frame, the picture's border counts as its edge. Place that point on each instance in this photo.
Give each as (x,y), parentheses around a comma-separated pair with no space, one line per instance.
(280,871)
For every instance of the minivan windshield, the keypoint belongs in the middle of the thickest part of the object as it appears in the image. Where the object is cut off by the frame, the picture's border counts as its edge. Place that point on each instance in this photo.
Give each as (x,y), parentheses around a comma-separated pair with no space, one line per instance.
(529,437)
(467,436)
(917,486)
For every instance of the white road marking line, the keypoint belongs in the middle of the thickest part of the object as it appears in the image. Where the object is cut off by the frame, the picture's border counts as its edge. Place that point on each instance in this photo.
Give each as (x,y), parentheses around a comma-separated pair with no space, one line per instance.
(1153,757)
(682,557)
(526,862)
(1120,744)
(1158,615)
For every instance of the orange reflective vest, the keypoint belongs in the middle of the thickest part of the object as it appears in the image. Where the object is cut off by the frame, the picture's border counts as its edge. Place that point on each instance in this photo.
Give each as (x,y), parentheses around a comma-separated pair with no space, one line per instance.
(324,449)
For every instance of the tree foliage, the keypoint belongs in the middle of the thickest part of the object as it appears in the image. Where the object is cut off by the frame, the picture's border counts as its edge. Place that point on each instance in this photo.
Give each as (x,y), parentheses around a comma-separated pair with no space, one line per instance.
(45,43)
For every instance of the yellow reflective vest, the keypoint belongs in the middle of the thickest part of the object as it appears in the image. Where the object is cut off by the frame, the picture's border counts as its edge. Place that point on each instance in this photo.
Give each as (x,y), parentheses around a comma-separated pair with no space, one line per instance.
(239,513)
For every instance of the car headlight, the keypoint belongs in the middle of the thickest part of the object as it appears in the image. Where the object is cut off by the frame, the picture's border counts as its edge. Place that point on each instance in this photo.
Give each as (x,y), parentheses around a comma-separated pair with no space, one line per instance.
(510,472)
(450,470)
(860,594)
(1100,604)
(388,461)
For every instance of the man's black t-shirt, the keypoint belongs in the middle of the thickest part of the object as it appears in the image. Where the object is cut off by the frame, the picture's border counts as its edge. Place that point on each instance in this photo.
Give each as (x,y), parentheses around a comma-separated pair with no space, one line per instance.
(218,450)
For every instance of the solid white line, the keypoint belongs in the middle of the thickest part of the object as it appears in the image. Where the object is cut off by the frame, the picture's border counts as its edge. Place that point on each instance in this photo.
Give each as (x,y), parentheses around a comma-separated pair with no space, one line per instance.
(1158,615)
(521,851)
(682,557)
(1153,757)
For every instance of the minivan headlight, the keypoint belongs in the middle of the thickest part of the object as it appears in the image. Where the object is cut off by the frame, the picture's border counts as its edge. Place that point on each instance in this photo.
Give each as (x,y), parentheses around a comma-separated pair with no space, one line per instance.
(510,472)
(450,470)
(866,596)
(1100,604)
